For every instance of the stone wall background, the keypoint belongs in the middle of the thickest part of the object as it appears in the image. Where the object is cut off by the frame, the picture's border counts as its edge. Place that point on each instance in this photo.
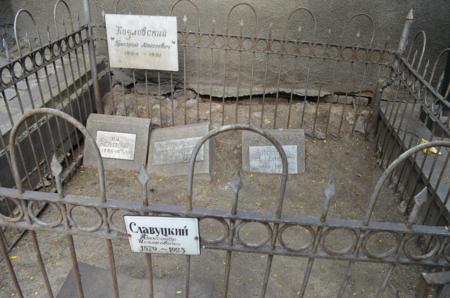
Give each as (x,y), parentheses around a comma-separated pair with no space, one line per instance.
(388,16)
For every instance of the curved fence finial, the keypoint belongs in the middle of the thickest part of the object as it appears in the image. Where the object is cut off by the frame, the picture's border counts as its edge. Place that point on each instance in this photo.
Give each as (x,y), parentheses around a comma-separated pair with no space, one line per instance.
(231,127)
(405,155)
(293,13)
(57,113)
(227,26)
(69,11)
(16,33)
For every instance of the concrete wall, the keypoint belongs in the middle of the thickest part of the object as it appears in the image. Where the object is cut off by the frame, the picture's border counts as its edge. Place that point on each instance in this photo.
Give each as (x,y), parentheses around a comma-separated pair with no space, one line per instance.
(388,17)
(6,22)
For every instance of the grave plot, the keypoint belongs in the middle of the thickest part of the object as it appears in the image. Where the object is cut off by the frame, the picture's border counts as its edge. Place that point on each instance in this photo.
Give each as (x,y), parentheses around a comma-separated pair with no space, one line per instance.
(295,202)
(349,161)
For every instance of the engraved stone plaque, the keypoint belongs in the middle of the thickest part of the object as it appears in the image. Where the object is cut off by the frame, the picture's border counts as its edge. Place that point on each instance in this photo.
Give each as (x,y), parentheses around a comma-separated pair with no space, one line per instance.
(116,145)
(122,141)
(260,156)
(266,159)
(171,148)
(142,42)
(175,151)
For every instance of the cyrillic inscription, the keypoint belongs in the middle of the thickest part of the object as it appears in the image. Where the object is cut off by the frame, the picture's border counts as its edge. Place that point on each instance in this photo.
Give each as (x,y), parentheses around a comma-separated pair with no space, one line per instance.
(266,159)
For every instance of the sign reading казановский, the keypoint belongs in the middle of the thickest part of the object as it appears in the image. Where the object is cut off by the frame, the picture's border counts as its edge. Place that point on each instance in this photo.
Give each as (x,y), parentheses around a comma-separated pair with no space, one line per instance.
(165,235)
(142,42)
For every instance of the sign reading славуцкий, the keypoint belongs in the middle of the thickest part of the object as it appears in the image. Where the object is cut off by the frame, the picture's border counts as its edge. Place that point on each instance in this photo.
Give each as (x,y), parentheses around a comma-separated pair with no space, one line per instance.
(165,235)
(142,42)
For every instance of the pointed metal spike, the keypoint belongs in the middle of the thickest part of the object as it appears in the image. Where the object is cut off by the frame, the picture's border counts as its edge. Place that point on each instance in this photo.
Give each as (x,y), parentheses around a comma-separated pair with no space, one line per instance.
(425,69)
(48,34)
(329,31)
(103,13)
(358,34)
(441,79)
(184,19)
(56,167)
(447,91)
(78,21)
(410,15)
(419,200)
(330,193)
(214,20)
(143,176)
(330,190)
(414,58)
(241,23)
(270,25)
(299,29)
(6,48)
(236,183)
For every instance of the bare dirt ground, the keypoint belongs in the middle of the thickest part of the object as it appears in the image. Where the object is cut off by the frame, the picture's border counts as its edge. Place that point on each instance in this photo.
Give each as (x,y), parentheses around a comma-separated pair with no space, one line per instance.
(348,159)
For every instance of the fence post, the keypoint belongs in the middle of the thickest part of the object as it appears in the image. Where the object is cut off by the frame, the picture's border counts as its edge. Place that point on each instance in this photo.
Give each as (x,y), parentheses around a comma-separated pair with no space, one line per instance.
(405,33)
(92,57)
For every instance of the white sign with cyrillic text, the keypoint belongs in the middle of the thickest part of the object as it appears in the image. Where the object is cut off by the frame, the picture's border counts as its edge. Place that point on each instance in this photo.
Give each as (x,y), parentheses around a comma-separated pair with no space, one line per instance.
(142,42)
(163,235)
(116,145)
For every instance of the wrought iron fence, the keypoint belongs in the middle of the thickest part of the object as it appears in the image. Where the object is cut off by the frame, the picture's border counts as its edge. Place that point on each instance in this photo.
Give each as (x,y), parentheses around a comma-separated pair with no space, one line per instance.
(244,81)
(290,79)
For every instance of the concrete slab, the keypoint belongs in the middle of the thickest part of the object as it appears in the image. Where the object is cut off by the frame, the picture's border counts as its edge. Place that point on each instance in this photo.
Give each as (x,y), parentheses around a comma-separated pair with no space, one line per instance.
(97,283)
(260,156)
(123,141)
(171,148)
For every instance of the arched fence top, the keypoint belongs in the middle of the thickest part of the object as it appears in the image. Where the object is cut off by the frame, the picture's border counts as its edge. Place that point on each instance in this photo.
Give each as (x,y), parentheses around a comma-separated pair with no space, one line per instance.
(197,11)
(309,12)
(232,127)
(357,16)
(423,37)
(16,32)
(230,12)
(69,119)
(69,11)
(390,169)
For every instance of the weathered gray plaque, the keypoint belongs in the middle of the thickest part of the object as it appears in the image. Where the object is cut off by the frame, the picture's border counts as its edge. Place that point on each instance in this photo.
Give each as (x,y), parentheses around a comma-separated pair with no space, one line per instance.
(171,148)
(142,42)
(260,156)
(116,145)
(122,141)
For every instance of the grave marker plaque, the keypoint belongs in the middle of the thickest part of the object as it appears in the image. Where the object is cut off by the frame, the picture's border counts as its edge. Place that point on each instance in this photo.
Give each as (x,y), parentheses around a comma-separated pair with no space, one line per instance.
(260,156)
(171,148)
(122,141)
(142,42)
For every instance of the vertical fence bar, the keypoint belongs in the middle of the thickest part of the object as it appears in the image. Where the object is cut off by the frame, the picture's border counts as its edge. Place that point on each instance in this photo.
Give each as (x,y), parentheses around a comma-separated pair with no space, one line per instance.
(56,171)
(144,179)
(92,57)
(4,252)
(235,186)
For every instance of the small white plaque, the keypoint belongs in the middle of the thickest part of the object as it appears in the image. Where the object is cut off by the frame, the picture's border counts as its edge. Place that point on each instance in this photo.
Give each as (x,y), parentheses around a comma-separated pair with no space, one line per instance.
(266,159)
(164,235)
(176,151)
(116,145)
(142,42)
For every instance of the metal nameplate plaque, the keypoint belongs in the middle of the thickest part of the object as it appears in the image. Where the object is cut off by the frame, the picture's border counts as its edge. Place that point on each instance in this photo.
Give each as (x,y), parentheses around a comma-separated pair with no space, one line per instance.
(164,235)
(142,42)
(176,151)
(116,145)
(266,159)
